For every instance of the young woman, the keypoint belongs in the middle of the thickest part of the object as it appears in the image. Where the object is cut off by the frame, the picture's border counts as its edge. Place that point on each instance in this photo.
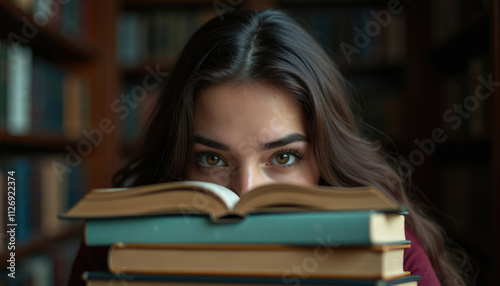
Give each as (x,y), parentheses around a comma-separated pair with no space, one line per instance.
(254,99)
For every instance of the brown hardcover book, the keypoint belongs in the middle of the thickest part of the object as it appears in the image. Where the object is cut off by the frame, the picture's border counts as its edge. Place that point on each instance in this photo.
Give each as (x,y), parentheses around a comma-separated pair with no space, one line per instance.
(323,262)
(218,202)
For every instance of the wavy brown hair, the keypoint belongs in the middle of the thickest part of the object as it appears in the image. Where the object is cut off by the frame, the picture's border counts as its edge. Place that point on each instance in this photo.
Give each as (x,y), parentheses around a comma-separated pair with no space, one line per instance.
(269,47)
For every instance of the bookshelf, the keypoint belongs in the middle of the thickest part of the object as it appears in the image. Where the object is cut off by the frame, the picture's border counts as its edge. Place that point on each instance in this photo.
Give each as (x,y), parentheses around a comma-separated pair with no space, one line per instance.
(44,39)
(35,142)
(453,54)
(62,140)
(83,56)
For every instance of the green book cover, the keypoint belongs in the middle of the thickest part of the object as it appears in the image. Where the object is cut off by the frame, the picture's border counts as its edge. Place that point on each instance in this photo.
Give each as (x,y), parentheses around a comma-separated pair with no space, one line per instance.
(341,228)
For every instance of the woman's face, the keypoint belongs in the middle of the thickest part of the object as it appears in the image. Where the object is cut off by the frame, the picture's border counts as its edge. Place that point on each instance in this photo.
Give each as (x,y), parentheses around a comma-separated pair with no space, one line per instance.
(250,135)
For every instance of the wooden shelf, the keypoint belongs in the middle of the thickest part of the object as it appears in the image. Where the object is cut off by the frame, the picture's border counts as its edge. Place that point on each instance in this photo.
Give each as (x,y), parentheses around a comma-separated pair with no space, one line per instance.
(40,244)
(35,142)
(47,41)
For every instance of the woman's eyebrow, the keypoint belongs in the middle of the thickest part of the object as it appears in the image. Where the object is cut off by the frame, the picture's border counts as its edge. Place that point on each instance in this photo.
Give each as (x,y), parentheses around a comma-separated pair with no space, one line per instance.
(294,137)
(211,143)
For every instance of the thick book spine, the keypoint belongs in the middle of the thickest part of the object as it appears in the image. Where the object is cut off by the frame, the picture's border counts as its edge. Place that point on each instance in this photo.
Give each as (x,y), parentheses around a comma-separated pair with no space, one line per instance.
(365,262)
(350,228)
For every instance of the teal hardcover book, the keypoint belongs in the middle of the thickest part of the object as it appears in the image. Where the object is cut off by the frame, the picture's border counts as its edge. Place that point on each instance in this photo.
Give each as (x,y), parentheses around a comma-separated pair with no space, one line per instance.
(346,228)
(104,278)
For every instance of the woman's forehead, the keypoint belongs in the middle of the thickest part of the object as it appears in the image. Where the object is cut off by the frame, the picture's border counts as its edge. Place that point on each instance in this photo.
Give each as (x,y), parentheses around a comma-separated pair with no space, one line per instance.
(238,112)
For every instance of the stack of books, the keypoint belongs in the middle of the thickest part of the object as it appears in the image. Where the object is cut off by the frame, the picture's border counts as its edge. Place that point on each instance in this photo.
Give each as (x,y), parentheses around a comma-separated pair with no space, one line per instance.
(196,233)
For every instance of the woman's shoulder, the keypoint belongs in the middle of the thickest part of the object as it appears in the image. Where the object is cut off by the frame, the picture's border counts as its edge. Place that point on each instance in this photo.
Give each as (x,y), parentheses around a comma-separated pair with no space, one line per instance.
(416,260)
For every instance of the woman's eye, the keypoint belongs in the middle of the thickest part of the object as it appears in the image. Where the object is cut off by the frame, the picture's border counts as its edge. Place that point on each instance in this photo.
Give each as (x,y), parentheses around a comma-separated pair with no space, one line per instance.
(211,160)
(284,159)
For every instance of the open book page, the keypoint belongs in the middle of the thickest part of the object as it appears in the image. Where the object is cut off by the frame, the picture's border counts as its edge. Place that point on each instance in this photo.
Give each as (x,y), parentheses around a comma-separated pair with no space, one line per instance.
(218,201)
(229,197)
(313,197)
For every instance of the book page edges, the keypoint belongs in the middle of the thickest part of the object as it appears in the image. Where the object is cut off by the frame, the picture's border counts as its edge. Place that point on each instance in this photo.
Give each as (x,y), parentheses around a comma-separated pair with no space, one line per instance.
(314,198)
(80,209)
(118,270)
(228,197)
(386,227)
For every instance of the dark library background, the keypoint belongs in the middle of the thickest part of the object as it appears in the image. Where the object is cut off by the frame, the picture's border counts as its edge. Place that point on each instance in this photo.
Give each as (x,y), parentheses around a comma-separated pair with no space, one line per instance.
(73,102)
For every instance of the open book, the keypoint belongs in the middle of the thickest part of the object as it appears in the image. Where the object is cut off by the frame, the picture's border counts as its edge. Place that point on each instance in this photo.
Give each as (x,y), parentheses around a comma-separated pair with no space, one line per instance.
(190,197)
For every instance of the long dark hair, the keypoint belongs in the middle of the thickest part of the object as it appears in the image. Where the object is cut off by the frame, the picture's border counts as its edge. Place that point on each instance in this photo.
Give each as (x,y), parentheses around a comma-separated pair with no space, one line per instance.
(270,48)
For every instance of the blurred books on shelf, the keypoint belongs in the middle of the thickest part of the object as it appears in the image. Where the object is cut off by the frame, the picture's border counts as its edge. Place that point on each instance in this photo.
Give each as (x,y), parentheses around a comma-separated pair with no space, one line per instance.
(156,36)
(71,18)
(49,266)
(40,97)
(139,105)
(45,104)
(450,17)
(42,191)
(149,37)
(464,200)
(466,113)
(357,36)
